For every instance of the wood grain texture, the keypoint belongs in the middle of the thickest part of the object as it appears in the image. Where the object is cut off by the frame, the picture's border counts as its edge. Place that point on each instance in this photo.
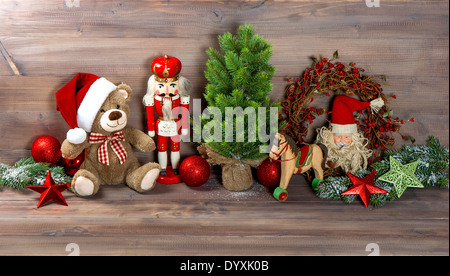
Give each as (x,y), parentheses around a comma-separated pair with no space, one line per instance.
(45,43)
(49,42)
(209,221)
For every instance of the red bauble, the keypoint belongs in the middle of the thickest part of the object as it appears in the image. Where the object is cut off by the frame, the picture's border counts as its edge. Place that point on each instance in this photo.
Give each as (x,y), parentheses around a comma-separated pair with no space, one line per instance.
(46,149)
(194,171)
(269,173)
(71,166)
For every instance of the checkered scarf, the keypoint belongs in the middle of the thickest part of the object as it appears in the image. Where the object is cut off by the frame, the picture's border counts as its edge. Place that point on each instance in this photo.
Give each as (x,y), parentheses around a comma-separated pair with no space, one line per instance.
(116,146)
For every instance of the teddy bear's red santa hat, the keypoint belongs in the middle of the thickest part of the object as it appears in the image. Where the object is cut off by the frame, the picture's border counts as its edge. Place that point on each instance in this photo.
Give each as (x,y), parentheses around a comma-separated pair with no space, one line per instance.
(79,102)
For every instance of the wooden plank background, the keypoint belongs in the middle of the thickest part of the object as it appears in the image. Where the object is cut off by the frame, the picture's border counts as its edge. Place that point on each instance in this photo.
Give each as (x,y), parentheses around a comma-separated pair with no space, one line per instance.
(43,44)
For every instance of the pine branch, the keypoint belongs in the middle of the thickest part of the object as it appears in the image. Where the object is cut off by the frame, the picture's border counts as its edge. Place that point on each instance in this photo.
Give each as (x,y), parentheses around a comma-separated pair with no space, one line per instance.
(432,170)
(28,172)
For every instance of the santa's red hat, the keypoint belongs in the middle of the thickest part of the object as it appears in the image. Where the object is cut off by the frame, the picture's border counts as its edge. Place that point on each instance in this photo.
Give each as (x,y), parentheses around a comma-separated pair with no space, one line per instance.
(79,102)
(342,119)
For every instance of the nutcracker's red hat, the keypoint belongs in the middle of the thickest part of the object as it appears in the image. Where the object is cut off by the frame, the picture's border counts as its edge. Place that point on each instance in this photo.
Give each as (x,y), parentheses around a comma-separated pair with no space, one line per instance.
(166,68)
(79,102)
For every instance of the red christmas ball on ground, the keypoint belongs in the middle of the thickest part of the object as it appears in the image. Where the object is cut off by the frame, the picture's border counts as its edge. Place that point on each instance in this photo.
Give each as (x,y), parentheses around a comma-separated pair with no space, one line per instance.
(46,149)
(194,171)
(71,166)
(269,173)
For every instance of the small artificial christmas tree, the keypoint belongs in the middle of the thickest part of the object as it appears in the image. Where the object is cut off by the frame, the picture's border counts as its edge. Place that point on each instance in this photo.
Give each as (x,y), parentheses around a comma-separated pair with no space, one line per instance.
(239,77)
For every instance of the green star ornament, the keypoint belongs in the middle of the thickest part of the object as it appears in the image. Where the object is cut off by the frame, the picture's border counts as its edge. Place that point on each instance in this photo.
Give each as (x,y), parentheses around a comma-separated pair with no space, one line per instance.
(402,176)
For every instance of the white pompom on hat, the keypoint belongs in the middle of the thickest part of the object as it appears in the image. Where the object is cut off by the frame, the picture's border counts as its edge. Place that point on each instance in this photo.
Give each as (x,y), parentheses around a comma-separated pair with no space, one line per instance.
(342,118)
(79,102)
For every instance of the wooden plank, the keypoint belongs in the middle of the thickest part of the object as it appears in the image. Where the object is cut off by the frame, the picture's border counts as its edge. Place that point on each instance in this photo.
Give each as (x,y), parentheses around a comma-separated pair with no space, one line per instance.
(278,245)
(72,55)
(211,224)
(14,95)
(15,91)
(129,245)
(201,18)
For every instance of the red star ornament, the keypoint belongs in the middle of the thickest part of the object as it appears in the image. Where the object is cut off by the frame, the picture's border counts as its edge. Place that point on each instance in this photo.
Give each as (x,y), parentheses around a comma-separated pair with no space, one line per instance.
(363,187)
(50,191)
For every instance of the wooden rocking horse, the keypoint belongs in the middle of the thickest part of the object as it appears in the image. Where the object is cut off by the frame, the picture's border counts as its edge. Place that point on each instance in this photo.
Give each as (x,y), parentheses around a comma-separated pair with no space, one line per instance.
(296,161)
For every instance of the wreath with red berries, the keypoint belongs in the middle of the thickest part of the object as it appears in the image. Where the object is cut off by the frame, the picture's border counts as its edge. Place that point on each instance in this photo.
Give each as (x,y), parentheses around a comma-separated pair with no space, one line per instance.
(327,77)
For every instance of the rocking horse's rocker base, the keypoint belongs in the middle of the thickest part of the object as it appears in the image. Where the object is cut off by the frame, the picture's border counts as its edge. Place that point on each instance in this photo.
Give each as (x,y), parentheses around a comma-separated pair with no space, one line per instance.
(315,183)
(294,161)
(280,194)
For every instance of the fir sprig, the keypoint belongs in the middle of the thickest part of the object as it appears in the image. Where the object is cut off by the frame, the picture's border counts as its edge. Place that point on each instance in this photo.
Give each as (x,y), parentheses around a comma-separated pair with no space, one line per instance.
(28,172)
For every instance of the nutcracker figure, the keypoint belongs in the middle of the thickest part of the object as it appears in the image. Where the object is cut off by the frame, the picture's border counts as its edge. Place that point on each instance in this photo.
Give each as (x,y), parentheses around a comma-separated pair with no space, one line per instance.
(168,94)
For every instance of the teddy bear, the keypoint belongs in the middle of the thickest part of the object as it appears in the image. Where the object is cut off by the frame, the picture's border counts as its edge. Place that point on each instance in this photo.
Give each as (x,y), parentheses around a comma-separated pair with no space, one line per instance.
(97,112)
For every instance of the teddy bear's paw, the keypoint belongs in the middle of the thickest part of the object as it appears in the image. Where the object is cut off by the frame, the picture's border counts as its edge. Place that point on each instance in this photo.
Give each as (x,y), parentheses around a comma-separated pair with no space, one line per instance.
(83,186)
(149,180)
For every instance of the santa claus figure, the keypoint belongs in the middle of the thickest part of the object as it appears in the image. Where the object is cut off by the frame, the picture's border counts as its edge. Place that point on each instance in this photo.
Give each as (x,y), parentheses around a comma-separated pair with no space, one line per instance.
(168,94)
(347,148)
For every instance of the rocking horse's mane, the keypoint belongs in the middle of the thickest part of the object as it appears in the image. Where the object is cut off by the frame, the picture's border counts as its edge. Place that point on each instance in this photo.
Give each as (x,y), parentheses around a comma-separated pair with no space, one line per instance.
(291,143)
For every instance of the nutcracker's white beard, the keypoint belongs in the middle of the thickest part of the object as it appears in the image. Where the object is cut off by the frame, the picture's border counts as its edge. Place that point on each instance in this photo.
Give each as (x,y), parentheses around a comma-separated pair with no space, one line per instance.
(167,110)
(350,158)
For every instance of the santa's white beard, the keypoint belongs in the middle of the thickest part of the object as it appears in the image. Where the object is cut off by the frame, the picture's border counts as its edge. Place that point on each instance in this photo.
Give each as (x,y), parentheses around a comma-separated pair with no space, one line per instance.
(350,158)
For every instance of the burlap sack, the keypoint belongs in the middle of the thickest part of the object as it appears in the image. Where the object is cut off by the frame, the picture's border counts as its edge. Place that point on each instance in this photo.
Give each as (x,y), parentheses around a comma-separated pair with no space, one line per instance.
(236,175)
